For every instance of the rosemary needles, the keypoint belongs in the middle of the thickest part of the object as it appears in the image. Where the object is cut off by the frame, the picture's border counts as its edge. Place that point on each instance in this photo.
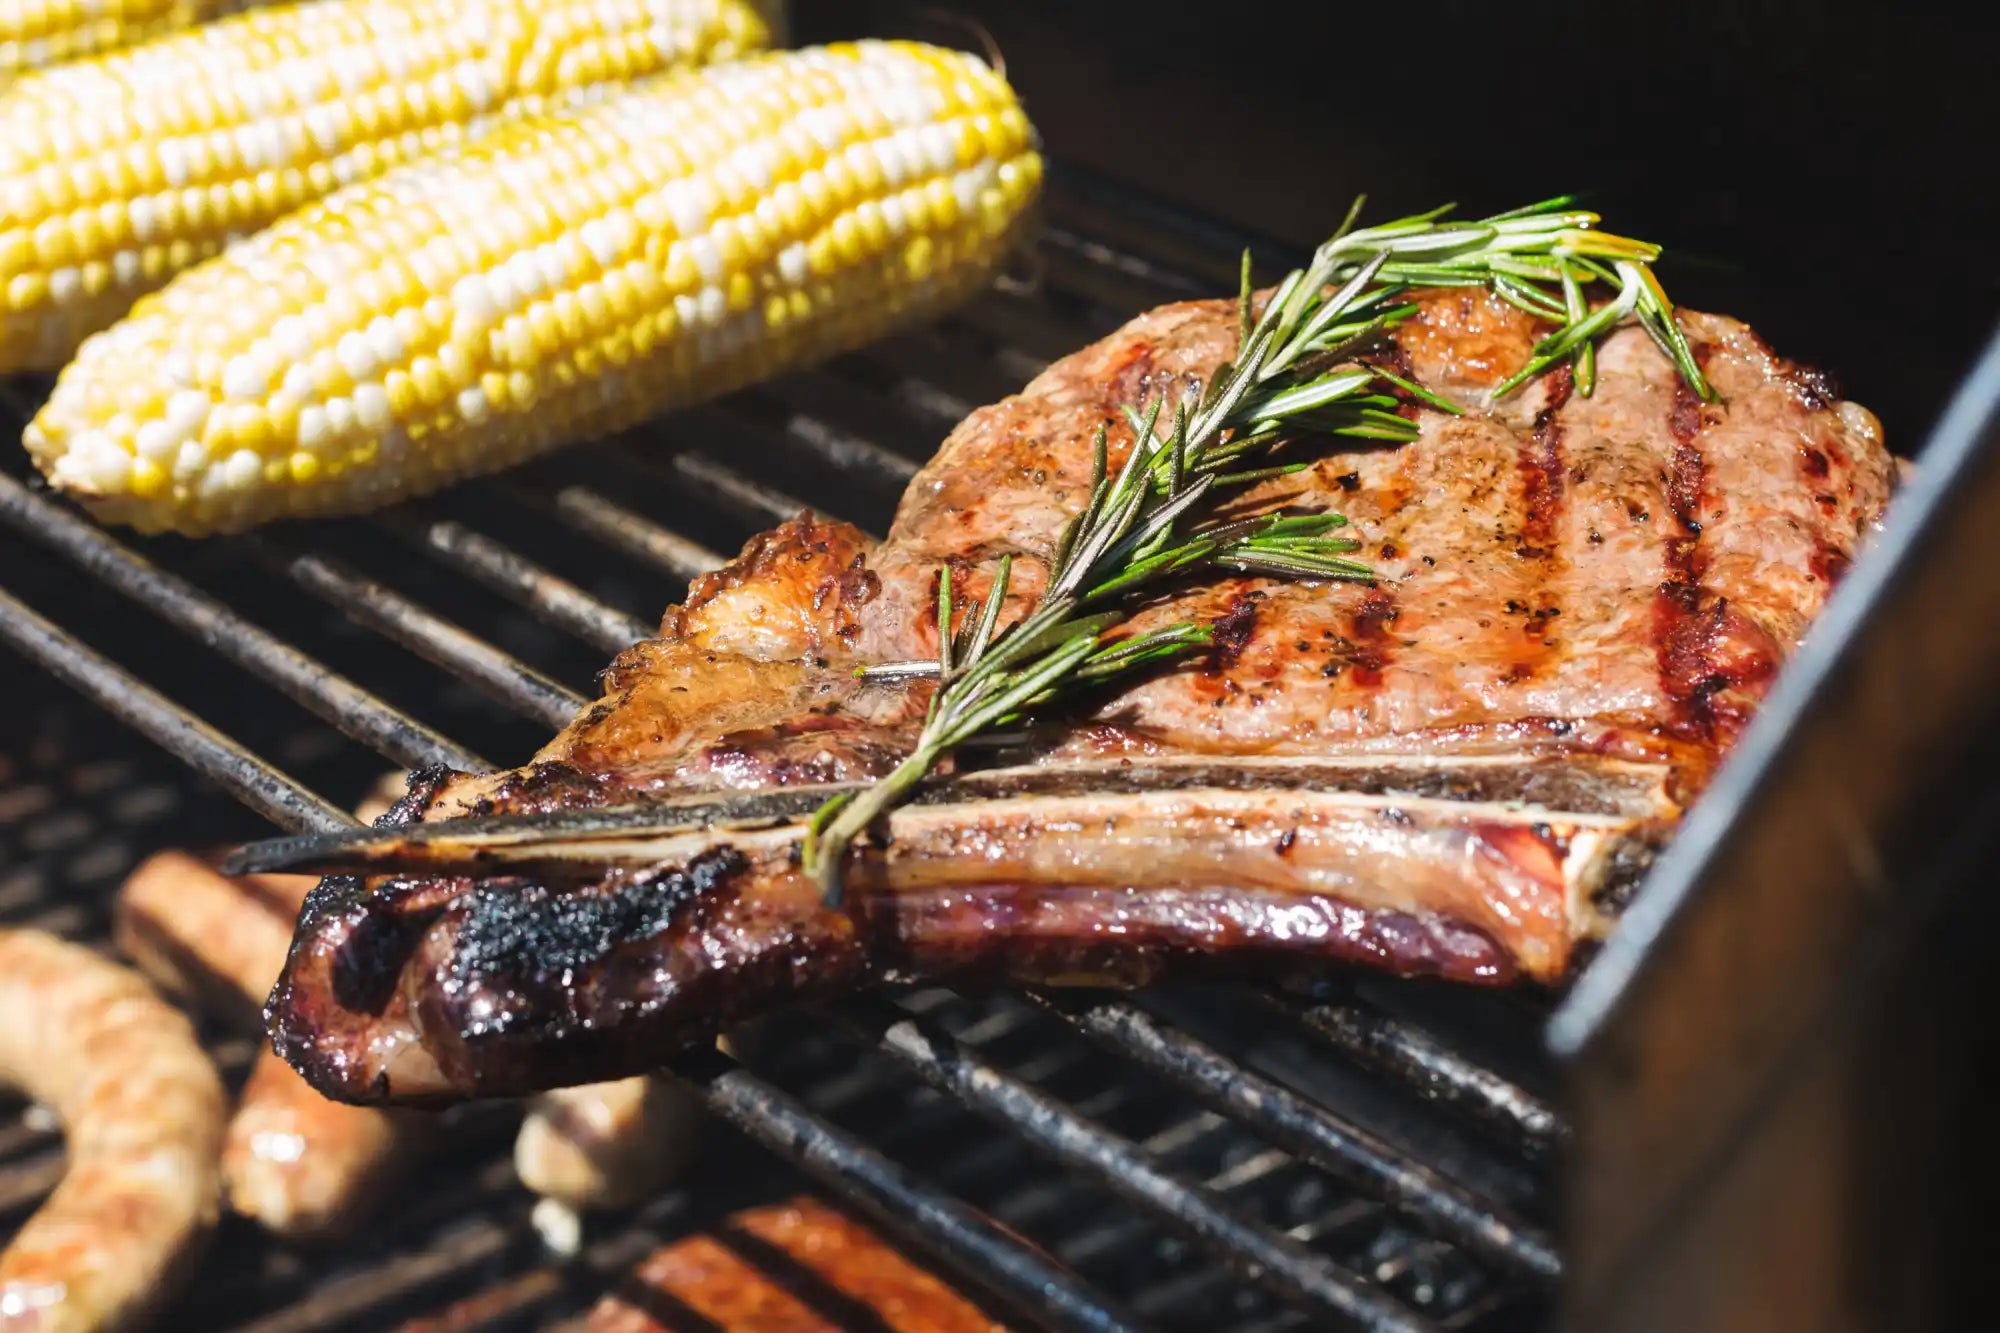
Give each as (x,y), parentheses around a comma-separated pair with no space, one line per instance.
(1296,374)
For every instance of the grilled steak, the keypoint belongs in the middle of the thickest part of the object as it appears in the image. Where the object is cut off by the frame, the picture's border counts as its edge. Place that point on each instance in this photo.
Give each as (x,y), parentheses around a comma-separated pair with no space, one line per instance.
(1457,770)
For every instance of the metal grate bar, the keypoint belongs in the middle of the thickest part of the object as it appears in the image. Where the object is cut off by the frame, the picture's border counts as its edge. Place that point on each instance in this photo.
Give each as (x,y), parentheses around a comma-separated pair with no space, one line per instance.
(1420,1061)
(1364,1161)
(1280,1114)
(1242,1176)
(923,381)
(510,1302)
(1311,1132)
(164,722)
(954,1232)
(347,1299)
(624,531)
(491,563)
(1477,1312)
(792,402)
(1259,1253)
(1106,1241)
(308,683)
(1277,1114)
(976,1248)
(1155,216)
(430,636)
(809,416)
(968,365)
(1167,281)
(1297,1272)
(761,503)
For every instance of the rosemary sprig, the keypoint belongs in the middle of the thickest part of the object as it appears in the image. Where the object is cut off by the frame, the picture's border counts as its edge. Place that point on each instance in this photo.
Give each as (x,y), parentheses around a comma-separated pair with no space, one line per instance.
(1295,374)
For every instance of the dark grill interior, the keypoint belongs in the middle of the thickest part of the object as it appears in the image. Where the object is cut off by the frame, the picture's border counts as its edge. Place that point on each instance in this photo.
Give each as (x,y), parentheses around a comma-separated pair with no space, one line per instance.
(1376,1154)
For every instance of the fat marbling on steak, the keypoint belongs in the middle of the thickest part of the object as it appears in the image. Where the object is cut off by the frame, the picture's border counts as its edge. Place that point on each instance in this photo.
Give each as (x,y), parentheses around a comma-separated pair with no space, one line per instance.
(1457,770)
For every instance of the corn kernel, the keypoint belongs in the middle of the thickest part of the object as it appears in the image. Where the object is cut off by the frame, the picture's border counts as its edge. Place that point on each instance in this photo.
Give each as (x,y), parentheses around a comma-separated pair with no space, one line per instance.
(562,277)
(178,144)
(48,32)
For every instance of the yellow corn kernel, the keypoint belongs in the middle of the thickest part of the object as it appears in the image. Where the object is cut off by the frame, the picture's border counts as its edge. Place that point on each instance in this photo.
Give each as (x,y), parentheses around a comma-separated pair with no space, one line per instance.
(566,277)
(183,144)
(34,33)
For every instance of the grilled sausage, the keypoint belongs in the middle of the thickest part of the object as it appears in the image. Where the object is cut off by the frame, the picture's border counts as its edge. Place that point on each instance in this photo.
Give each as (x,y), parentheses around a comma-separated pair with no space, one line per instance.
(306,1168)
(214,941)
(611,1145)
(603,1145)
(143,1110)
(800,1267)
(606,1145)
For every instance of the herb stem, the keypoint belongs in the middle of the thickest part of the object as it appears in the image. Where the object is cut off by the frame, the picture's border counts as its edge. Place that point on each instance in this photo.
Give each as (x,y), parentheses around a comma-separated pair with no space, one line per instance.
(1294,375)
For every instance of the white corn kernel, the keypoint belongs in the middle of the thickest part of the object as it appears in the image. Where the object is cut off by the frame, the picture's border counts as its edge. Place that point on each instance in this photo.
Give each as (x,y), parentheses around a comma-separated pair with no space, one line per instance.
(194,140)
(314,430)
(371,408)
(562,278)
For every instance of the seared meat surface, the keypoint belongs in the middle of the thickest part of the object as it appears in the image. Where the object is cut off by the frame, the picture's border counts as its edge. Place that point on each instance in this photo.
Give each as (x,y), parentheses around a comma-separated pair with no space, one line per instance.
(1457,770)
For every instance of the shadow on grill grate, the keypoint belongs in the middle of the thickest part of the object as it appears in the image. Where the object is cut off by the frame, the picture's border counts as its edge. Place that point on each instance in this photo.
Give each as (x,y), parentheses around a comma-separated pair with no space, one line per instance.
(1377,1154)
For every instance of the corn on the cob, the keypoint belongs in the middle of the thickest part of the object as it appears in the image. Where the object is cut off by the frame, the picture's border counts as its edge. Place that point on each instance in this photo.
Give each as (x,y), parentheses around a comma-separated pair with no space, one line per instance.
(565,277)
(116,172)
(34,33)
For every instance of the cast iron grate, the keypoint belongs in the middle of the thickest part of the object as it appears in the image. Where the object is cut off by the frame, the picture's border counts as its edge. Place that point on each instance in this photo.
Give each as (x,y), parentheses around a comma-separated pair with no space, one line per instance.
(1376,1155)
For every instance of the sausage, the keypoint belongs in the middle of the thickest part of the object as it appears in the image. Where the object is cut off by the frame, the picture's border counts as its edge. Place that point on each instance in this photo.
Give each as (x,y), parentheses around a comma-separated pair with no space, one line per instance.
(216,942)
(800,1267)
(306,1168)
(607,1145)
(143,1110)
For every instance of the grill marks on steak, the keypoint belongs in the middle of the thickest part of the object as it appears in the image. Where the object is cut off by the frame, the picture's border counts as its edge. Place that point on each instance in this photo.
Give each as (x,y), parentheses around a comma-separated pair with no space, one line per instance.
(1542,482)
(1687,619)
(1541,462)
(1460,529)
(1562,580)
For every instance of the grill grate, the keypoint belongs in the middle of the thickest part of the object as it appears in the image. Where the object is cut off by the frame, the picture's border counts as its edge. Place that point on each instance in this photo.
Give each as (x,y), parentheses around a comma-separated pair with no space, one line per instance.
(1374,1156)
